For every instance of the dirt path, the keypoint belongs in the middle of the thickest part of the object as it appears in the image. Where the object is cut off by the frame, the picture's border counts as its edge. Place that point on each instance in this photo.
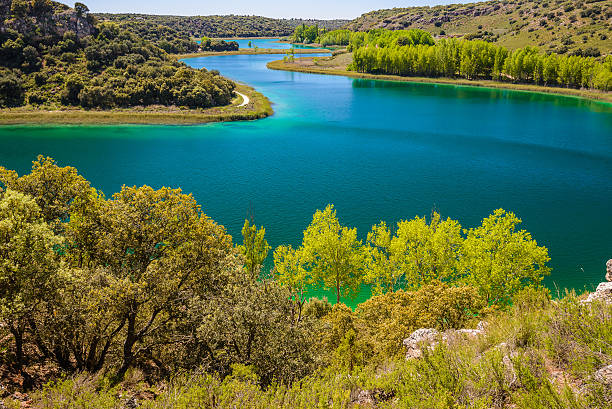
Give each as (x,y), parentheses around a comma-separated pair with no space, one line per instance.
(245,99)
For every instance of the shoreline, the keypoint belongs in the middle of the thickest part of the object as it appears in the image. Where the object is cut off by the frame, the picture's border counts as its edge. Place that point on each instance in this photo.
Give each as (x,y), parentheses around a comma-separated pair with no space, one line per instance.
(257,107)
(595,96)
(251,51)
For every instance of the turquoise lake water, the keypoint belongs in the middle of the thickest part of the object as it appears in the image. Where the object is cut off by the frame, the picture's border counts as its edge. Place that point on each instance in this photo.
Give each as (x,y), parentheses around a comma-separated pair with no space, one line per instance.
(377,150)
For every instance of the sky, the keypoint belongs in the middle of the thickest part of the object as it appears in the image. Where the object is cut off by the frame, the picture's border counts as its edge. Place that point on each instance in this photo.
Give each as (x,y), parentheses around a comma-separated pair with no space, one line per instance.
(317,9)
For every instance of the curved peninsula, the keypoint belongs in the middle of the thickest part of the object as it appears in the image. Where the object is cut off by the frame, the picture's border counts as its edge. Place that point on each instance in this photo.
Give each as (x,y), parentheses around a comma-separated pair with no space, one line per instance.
(59,65)
(257,107)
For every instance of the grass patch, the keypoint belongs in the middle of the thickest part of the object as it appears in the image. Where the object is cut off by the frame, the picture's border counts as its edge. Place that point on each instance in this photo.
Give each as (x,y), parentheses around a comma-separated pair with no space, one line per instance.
(335,66)
(258,107)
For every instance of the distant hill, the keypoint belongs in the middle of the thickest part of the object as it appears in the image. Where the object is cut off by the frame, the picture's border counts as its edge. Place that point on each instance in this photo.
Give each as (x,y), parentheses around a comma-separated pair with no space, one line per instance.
(564,26)
(224,26)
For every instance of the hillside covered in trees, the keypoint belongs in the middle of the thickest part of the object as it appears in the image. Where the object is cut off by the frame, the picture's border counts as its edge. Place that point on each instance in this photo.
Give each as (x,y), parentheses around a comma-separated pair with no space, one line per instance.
(580,27)
(141,300)
(222,26)
(52,56)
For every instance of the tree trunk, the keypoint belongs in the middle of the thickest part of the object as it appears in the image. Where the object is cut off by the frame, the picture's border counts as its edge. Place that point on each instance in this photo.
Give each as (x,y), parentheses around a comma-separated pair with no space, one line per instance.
(128,345)
(18,345)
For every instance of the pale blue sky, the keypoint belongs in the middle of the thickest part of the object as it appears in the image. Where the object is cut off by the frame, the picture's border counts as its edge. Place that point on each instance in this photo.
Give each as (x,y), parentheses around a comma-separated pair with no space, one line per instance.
(320,9)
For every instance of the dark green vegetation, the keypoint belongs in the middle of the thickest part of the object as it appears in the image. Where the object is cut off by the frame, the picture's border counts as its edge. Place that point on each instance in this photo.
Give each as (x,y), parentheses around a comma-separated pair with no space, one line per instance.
(47,64)
(257,108)
(141,299)
(561,26)
(221,26)
(206,44)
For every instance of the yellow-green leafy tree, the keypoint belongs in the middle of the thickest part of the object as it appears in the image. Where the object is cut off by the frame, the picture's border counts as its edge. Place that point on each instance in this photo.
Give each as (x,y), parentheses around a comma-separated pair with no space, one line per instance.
(417,253)
(499,259)
(254,247)
(290,272)
(333,254)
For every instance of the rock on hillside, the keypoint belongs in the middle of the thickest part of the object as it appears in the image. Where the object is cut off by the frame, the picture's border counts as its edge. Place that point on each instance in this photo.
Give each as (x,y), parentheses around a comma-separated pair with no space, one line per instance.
(564,26)
(47,19)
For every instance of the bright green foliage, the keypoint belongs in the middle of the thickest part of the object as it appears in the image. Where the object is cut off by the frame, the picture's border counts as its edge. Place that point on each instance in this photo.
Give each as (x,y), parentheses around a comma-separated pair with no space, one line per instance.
(254,247)
(28,264)
(336,37)
(307,34)
(348,354)
(481,60)
(333,254)
(417,253)
(499,260)
(144,281)
(290,272)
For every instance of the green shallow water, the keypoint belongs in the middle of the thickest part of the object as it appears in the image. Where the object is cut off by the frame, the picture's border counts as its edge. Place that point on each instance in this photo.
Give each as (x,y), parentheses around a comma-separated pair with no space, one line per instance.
(377,150)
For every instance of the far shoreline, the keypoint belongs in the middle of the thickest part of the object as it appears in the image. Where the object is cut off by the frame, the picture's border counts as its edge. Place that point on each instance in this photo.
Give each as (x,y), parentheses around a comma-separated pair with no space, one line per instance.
(252,51)
(591,95)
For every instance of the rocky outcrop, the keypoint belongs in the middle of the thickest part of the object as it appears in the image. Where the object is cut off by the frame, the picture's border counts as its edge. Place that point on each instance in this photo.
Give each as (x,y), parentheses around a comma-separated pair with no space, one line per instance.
(604,290)
(70,20)
(423,337)
(430,337)
(604,375)
(52,22)
(369,398)
(602,293)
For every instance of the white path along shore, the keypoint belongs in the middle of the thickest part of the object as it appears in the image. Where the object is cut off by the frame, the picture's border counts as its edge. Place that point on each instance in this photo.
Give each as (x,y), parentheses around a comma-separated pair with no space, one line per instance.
(245,99)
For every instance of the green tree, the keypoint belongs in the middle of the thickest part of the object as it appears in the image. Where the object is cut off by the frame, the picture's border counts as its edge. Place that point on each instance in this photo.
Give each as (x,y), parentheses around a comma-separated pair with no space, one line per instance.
(81,9)
(254,247)
(416,254)
(382,271)
(250,323)
(28,264)
(290,272)
(54,188)
(152,251)
(499,260)
(333,254)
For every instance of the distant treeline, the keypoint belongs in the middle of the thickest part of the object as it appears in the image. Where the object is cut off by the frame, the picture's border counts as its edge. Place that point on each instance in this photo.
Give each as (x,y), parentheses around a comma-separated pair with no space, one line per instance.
(415,53)
(166,38)
(224,26)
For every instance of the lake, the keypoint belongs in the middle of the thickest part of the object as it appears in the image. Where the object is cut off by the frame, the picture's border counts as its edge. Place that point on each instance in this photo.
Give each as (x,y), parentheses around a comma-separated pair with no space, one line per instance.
(272,43)
(378,150)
